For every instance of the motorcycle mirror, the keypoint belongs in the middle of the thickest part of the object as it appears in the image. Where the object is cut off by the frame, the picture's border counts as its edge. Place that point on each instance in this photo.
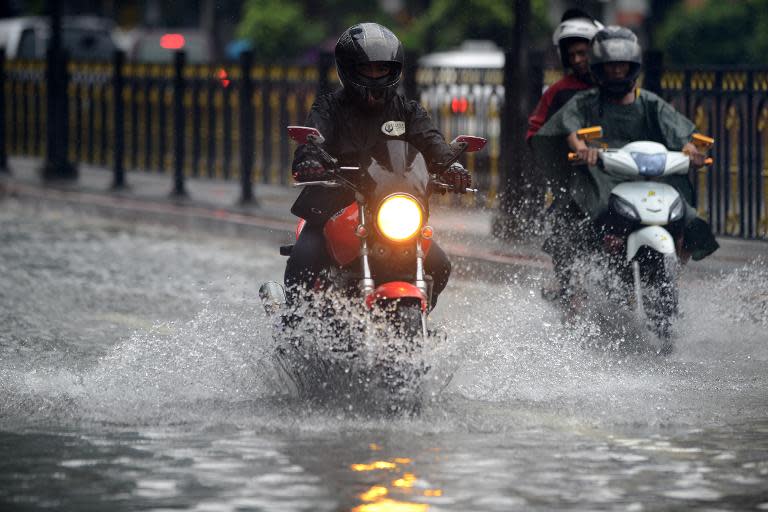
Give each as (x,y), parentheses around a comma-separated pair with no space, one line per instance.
(591,133)
(468,143)
(305,135)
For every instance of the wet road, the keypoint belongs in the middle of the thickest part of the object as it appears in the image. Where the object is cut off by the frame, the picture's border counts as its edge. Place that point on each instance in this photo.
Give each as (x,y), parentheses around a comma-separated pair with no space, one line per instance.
(135,375)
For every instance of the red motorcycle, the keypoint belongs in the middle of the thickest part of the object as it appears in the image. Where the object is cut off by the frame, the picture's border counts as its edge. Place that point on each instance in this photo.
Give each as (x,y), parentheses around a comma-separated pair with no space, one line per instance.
(378,244)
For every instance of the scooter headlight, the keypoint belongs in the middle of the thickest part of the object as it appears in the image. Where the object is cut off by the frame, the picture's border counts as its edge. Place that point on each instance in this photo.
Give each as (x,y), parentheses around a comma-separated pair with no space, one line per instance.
(624,208)
(399,217)
(677,210)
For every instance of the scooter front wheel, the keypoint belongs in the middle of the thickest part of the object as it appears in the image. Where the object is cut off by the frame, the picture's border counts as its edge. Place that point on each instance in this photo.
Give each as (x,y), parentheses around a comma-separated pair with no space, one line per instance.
(655,280)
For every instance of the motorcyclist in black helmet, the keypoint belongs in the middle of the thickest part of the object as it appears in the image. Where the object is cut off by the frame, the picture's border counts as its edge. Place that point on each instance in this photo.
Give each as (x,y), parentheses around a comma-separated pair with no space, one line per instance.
(353,119)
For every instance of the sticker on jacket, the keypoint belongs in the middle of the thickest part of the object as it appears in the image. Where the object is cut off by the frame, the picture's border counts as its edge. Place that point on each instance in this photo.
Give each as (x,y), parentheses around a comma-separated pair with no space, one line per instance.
(393,128)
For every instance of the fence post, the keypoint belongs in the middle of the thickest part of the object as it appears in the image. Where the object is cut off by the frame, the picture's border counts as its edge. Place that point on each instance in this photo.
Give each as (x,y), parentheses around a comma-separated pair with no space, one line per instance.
(752,169)
(518,202)
(522,191)
(654,67)
(56,166)
(4,169)
(246,129)
(178,125)
(119,117)
(410,85)
(324,65)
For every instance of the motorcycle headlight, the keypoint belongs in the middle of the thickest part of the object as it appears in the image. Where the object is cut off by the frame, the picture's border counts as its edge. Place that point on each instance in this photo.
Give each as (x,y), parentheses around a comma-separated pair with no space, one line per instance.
(399,217)
(677,210)
(650,165)
(624,208)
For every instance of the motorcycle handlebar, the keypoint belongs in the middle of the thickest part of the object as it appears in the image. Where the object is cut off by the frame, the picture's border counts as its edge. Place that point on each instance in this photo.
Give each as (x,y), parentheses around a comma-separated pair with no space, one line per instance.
(320,183)
(574,157)
(446,186)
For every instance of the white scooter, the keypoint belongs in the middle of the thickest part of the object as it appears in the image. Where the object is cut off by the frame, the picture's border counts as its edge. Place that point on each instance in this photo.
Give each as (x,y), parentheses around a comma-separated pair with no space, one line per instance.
(645,221)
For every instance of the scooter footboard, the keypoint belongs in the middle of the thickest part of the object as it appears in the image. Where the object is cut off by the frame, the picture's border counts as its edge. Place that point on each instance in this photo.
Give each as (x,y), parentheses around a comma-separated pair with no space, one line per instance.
(655,237)
(397,290)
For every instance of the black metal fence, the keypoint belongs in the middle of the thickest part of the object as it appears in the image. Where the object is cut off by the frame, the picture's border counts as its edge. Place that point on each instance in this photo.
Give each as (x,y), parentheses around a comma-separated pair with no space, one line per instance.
(732,106)
(229,123)
(212,100)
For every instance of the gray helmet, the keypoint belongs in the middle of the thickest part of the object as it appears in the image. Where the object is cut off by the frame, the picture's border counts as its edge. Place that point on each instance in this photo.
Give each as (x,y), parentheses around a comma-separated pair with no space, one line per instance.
(615,44)
(364,43)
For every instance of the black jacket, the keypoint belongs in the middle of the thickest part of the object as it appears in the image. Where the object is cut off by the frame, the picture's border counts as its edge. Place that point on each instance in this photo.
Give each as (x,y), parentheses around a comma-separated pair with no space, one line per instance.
(350,132)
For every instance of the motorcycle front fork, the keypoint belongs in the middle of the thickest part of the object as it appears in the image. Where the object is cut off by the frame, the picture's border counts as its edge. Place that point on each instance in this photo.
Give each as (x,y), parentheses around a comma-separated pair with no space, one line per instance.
(368,286)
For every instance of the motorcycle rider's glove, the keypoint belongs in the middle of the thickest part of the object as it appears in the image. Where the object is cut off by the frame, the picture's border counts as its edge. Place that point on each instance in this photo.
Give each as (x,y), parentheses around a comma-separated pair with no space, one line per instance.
(457,177)
(309,170)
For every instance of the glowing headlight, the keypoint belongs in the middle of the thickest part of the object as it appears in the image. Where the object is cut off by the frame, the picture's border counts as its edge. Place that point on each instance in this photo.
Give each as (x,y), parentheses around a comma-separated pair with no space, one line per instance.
(399,217)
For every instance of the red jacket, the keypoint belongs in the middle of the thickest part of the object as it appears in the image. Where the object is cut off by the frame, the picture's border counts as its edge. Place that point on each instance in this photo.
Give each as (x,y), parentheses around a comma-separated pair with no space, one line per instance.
(552,100)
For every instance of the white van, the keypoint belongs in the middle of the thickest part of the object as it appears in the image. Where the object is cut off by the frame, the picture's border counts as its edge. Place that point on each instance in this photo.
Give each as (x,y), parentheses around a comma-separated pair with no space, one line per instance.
(84,37)
(463,89)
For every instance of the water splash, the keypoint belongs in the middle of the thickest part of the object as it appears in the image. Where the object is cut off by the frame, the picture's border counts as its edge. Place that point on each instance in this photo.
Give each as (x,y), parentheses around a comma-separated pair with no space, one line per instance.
(181,339)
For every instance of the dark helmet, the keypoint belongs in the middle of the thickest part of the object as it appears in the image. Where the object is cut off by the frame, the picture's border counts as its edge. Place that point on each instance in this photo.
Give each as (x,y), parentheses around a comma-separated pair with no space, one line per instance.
(615,44)
(362,44)
(575,25)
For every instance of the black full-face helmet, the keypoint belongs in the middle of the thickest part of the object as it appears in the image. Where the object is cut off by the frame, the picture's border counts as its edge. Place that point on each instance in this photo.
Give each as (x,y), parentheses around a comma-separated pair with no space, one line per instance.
(366,43)
(615,44)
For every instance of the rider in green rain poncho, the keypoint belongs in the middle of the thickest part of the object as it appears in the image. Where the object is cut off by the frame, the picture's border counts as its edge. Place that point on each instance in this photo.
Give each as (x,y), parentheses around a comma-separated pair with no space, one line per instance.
(626,114)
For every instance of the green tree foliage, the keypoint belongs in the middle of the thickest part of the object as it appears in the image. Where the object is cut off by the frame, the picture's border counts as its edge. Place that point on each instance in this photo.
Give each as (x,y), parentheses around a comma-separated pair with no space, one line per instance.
(720,32)
(278,29)
(281,29)
(337,15)
(446,23)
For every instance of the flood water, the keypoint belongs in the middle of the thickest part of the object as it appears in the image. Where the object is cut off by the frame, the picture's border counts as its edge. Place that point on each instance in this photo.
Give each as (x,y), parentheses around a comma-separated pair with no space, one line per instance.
(135,374)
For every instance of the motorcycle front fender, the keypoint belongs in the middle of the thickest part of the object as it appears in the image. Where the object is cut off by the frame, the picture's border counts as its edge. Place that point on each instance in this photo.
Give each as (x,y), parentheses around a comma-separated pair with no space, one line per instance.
(396,290)
(655,237)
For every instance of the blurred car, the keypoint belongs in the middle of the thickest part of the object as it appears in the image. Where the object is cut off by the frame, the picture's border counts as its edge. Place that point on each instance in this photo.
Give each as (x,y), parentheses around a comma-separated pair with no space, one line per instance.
(158,45)
(83,37)
(473,53)
(467,83)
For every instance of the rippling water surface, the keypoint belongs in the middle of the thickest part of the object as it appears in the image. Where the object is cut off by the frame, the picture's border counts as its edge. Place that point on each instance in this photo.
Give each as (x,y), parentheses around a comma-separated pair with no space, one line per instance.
(135,375)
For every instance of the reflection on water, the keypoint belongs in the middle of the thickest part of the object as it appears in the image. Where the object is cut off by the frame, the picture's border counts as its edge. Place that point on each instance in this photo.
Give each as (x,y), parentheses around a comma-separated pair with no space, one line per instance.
(396,487)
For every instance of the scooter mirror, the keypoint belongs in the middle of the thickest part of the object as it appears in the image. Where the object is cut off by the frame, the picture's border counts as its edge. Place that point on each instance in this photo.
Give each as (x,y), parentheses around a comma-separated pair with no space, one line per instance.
(468,143)
(591,133)
(305,134)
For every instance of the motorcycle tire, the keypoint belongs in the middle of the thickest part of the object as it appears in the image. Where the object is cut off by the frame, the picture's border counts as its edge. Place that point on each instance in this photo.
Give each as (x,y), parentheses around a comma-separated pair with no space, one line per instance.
(403,377)
(658,277)
(406,319)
